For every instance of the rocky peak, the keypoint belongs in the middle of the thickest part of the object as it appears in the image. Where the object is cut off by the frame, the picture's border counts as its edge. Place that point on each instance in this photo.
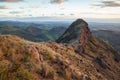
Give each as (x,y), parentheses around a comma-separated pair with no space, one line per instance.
(78,32)
(76,26)
(85,35)
(78,21)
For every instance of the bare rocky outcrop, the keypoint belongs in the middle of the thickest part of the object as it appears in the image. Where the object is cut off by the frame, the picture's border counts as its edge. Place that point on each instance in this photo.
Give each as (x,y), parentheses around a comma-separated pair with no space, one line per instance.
(78,34)
(85,35)
(72,34)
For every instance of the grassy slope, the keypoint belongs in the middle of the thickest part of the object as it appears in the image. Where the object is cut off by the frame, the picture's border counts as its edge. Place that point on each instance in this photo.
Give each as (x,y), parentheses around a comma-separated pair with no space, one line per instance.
(24,60)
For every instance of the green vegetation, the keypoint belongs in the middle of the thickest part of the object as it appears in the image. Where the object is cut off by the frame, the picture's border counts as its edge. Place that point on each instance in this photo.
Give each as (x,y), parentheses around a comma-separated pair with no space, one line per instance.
(34,33)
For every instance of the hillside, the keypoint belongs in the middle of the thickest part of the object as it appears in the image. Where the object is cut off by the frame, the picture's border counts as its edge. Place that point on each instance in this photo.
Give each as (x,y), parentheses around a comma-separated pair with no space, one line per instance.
(56,32)
(112,37)
(33,33)
(90,59)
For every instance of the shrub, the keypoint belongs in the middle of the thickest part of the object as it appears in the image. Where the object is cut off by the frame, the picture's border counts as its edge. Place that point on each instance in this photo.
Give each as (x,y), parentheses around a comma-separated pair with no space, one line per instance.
(47,72)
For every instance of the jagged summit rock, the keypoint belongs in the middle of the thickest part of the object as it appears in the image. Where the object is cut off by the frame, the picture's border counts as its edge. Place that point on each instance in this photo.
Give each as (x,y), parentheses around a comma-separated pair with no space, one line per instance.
(78,21)
(77,32)
(85,34)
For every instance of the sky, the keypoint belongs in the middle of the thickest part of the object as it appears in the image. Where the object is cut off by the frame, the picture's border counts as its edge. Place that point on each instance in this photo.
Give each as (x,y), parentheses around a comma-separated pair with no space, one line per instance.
(60,9)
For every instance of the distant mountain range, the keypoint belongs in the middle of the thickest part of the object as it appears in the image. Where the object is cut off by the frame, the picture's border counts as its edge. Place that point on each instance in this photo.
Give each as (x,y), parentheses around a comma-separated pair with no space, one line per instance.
(104,26)
(39,24)
(112,37)
(34,33)
(50,31)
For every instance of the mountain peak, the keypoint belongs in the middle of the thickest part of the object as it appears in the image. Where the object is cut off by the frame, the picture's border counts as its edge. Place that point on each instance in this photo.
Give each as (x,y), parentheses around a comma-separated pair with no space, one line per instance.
(85,35)
(78,32)
(78,21)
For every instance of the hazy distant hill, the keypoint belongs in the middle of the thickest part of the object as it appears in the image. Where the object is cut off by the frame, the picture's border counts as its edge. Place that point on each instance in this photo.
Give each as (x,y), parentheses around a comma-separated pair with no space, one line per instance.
(34,33)
(104,26)
(113,37)
(40,24)
(57,32)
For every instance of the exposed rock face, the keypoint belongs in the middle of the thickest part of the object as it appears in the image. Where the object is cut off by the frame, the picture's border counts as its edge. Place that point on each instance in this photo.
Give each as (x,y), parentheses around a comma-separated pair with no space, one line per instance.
(78,32)
(85,35)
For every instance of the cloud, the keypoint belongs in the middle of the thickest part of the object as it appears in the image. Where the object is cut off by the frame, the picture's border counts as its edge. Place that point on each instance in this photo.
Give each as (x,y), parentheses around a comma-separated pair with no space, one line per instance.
(71,14)
(98,13)
(5,7)
(62,14)
(57,1)
(10,0)
(108,4)
(62,8)
(16,12)
(21,7)
(34,6)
